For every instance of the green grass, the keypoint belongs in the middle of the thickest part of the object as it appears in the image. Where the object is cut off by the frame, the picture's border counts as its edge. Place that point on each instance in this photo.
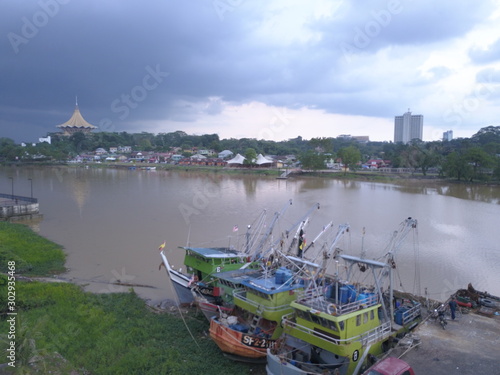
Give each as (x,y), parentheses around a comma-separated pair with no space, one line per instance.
(114,333)
(60,329)
(33,254)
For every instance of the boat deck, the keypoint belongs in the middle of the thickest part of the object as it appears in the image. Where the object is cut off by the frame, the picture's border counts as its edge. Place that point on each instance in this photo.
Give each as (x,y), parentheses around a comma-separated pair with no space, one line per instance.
(469,345)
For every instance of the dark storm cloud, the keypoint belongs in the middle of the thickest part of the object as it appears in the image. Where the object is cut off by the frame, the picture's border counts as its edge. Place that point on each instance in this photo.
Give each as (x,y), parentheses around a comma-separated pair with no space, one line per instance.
(133,63)
(102,52)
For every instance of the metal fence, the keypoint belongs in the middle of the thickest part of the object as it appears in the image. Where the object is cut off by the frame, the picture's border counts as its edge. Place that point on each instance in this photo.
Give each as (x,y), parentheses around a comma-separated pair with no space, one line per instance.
(11,200)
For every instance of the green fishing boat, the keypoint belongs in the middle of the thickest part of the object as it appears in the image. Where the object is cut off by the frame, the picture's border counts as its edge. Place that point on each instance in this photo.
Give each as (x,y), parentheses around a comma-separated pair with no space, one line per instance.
(344,320)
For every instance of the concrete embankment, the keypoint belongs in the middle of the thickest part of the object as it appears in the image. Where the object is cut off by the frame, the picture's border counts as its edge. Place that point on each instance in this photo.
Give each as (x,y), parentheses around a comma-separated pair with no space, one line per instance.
(13,207)
(469,345)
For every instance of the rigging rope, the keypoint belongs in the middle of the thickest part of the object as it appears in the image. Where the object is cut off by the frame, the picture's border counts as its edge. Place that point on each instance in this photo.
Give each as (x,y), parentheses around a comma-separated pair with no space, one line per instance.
(182,315)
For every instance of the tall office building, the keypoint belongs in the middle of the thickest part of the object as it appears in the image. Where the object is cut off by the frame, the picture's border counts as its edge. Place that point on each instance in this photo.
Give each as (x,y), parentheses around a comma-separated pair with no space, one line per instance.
(408,127)
(448,135)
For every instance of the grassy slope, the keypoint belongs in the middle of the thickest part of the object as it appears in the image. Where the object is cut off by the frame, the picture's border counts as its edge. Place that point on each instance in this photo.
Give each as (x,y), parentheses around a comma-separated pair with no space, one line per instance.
(34,255)
(98,333)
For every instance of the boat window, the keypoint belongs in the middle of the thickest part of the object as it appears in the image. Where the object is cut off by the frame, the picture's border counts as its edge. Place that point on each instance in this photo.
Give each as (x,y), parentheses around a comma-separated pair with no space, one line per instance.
(358,320)
(303,314)
(316,319)
(260,294)
(331,325)
(372,314)
(365,318)
(341,325)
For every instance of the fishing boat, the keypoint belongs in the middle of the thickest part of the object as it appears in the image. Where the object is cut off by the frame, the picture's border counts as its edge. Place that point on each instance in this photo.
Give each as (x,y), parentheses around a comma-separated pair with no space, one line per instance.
(344,319)
(203,263)
(254,323)
(267,261)
(226,283)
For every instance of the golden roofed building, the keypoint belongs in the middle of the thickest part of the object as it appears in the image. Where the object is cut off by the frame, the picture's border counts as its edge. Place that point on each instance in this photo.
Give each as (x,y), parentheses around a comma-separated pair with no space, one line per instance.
(76,124)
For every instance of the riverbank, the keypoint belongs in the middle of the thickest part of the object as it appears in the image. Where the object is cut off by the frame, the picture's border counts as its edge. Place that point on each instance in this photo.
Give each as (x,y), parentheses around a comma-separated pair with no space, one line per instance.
(58,328)
(360,175)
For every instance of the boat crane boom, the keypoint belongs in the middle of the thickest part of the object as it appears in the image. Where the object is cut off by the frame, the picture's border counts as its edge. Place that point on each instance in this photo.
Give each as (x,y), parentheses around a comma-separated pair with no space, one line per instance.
(277,215)
(343,228)
(304,219)
(399,236)
(323,231)
(394,245)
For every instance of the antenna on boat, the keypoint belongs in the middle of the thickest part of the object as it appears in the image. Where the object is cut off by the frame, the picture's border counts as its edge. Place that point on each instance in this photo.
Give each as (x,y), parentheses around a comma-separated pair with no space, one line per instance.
(247,235)
(363,252)
(189,235)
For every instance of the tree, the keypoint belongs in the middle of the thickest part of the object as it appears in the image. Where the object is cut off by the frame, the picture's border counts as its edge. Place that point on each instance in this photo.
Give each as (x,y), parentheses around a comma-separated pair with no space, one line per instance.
(321,144)
(487,135)
(350,156)
(422,157)
(145,144)
(479,160)
(79,142)
(250,156)
(312,160)
(496,170)
(9,150)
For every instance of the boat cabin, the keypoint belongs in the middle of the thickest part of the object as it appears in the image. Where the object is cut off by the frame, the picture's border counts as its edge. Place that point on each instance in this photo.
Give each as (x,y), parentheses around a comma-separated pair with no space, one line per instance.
(205,261)
(268,296)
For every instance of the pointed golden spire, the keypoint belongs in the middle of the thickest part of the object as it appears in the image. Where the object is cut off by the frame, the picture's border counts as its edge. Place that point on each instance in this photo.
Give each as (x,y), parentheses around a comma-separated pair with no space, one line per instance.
(76,122)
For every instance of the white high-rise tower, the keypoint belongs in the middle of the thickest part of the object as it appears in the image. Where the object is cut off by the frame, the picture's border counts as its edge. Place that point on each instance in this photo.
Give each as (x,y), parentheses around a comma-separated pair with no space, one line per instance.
(408,127)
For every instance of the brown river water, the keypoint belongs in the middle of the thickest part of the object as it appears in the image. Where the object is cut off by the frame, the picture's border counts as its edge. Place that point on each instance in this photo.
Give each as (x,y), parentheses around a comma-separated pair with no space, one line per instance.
(111,222)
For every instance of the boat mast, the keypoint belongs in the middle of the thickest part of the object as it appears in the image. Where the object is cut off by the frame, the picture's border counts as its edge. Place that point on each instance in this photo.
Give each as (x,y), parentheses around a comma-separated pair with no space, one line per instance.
(343,228)
(323,231)
(394,246)
(277,215)
(302,223)
(303,219)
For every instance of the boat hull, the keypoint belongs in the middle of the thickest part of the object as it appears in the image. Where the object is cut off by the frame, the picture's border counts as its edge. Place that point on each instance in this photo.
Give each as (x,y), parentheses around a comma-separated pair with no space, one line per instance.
(275,367)
(238,344)
(183,292)
(208,308)
(180,282)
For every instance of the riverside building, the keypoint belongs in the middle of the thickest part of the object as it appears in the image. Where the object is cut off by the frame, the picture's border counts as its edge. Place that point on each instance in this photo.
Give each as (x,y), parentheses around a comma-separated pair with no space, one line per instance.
(408,127)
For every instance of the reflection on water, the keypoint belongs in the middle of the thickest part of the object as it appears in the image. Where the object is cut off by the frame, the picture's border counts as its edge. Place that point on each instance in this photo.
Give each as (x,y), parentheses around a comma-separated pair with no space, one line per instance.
(112,221)
(482,193)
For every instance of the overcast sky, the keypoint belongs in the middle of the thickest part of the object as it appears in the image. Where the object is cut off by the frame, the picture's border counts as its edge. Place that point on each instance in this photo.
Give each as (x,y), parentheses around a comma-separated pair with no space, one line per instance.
(270,69)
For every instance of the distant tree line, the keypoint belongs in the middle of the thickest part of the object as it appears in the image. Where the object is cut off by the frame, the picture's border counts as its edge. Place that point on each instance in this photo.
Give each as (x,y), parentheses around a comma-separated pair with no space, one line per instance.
(466,159)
